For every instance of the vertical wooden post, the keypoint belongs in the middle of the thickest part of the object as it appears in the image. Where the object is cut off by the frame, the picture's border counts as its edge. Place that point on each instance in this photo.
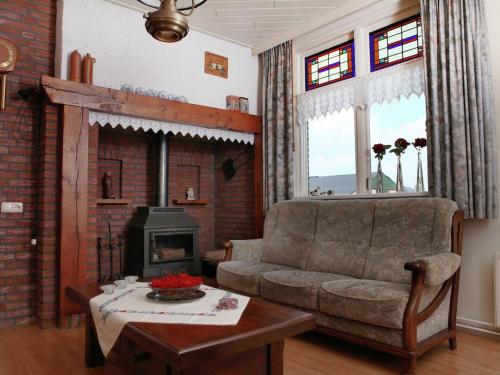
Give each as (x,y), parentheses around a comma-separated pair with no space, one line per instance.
(258,184)
(74,185)
(93,352)
(275,358)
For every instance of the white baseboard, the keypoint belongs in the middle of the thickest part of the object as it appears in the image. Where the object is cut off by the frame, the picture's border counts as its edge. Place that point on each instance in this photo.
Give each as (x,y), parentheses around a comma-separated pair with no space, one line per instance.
(478,328)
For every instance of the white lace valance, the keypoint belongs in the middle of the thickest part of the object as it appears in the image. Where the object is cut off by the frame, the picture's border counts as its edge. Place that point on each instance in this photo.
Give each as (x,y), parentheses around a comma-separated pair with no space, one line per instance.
(388,84)
(145,124)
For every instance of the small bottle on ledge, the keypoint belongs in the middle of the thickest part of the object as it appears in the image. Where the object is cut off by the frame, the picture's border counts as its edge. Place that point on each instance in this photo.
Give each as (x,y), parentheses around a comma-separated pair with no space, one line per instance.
(107,188)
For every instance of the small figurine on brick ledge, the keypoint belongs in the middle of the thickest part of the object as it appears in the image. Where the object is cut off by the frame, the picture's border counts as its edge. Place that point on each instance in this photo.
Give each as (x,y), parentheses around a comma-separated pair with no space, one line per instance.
(107,186)
(190,196)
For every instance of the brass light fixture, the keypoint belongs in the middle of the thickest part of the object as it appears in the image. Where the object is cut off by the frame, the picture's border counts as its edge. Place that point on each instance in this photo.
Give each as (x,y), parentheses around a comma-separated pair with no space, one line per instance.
(168,23)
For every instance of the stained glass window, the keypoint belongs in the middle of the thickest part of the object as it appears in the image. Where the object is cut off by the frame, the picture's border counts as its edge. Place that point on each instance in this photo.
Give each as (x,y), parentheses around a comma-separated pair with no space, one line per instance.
(329,66)
(396,43)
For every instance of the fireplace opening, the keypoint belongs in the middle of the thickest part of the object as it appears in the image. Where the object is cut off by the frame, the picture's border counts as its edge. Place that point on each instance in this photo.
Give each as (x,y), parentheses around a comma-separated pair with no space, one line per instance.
(167,247)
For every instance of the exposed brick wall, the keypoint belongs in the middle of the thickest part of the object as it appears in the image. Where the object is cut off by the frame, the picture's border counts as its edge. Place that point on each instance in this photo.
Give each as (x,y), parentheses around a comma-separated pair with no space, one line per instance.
(132,158)
(92,203)
(30,25)
(234,212)
(48,219)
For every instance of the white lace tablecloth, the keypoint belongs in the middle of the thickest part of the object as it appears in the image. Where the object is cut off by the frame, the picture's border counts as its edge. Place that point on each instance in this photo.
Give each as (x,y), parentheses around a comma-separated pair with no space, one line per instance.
(112,311)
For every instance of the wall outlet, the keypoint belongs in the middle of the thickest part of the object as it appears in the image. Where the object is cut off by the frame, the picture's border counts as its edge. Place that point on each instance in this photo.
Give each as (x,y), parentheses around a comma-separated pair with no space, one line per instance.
(10,207)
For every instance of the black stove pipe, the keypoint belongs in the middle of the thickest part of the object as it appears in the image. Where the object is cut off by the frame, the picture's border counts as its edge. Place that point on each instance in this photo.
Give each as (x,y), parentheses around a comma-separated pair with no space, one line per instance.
(162,199)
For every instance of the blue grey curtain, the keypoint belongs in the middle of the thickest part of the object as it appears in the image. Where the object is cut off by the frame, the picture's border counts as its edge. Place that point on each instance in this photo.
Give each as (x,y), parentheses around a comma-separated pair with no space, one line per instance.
(460,113)
(277,112)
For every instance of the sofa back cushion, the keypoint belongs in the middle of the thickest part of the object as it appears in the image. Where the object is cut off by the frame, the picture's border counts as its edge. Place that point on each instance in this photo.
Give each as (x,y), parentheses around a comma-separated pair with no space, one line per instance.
(286,252)
(404,230)
(294,219)
(343,234)
(289,231)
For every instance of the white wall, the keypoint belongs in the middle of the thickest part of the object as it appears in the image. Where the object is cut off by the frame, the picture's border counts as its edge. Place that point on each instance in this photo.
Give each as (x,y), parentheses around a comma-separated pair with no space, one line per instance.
(126,53)
(482,237)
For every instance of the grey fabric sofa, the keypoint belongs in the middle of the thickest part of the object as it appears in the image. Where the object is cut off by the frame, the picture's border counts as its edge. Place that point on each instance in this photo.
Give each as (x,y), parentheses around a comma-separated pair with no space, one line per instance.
(379,272)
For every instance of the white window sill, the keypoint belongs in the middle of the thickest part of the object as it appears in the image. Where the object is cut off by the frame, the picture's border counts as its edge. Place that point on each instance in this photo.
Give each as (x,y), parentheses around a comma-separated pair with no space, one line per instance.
(366,196)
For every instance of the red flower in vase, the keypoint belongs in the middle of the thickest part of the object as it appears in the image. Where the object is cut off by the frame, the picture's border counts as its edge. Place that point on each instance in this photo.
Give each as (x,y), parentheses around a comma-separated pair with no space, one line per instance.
(379,150)
(401,142)
(420,143)
(400,146)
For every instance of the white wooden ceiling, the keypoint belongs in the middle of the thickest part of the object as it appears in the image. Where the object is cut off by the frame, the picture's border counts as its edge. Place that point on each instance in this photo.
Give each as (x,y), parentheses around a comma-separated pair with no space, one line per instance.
(249,22)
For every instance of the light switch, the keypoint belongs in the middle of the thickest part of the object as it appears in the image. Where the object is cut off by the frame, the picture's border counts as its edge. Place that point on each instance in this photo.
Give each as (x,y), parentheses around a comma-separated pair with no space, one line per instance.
(12,207)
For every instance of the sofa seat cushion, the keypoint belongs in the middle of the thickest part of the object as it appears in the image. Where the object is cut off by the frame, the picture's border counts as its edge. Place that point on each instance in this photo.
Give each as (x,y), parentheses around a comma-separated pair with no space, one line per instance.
(244,276)
(295,287)
(375,302)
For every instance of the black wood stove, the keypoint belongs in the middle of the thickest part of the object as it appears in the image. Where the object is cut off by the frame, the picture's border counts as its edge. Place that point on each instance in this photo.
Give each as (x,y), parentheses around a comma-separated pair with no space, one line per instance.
(162,239)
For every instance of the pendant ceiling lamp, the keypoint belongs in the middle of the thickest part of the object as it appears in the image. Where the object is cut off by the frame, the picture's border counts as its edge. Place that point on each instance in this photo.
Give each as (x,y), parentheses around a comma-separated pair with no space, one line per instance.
(169,23)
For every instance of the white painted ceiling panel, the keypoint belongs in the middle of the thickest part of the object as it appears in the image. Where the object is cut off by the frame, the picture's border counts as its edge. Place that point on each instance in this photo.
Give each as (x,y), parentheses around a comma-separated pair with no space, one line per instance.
(248,22)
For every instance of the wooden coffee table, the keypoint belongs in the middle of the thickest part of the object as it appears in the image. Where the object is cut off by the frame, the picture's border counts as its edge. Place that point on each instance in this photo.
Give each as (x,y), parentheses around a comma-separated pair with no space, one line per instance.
(254,346)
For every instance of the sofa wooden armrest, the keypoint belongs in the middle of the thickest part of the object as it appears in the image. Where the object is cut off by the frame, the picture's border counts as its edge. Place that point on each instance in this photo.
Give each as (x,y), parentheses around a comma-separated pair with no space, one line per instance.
(413,316)
(228,248)
(243,250)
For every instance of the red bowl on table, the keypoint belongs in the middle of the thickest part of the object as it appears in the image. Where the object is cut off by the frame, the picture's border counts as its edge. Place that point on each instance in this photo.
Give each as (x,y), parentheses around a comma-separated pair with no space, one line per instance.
(177,285)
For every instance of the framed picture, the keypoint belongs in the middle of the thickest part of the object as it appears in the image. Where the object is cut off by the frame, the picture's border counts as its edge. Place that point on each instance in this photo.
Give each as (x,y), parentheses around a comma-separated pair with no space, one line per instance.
(216,65)
(243,105)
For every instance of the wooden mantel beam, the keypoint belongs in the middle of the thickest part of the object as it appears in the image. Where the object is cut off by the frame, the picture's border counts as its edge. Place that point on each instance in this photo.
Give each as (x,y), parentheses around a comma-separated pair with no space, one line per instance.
(102,99)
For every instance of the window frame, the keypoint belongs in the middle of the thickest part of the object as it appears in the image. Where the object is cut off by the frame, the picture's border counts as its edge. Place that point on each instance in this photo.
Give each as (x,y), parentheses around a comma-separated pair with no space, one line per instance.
(341,78)
(373,66)
(361,36)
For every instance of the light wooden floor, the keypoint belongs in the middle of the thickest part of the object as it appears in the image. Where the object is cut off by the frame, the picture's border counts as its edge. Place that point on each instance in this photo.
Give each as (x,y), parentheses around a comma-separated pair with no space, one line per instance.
(30,350)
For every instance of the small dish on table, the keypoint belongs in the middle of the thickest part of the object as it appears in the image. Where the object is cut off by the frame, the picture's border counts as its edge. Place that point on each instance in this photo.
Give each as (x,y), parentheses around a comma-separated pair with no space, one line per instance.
(132,279)
(121,284)
(108,289)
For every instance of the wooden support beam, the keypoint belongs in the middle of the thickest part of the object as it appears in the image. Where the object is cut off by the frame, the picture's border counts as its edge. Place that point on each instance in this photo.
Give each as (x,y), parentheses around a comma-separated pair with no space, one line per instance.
(74,185)
(102,99)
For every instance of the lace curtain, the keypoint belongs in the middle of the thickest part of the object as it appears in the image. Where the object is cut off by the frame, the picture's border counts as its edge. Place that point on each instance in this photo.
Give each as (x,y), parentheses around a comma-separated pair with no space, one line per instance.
(401,80)
(146,124)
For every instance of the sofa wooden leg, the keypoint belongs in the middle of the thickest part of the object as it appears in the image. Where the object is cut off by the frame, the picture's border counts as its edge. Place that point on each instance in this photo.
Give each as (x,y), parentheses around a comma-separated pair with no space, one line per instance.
(453,343)
(410,366)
